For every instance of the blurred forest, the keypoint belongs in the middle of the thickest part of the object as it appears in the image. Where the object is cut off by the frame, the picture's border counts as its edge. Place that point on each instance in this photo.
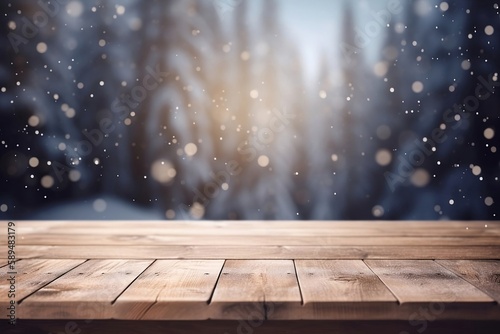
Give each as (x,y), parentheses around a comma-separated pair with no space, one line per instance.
(202,110)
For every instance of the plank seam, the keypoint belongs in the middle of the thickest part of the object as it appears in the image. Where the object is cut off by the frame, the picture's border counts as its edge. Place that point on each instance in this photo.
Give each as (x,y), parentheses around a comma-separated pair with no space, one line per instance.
(381,280)
(465,280)
(121,293)
(156,298)
(5,265)
(209,301)
(298,282)
(27,296)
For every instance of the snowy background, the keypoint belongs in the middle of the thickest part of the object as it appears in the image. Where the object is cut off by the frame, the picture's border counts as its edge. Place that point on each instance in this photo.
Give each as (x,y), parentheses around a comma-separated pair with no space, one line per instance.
(234,109)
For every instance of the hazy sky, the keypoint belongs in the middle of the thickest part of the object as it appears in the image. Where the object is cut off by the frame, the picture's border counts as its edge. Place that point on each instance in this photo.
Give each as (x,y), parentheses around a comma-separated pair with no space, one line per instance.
(314,23)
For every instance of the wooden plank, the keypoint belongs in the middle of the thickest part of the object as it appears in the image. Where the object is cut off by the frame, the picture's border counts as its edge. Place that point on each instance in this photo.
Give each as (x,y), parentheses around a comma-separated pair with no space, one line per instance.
(253,288)
(353,231)
(170,289)
(250,240)
(33,275)
(340,281)
(38,223)
(21,227)
(484,275)
(87,292)
(341,290)
(261,228)
(261,252)
(257,280)
(425,281)
(271,224)
(4,263)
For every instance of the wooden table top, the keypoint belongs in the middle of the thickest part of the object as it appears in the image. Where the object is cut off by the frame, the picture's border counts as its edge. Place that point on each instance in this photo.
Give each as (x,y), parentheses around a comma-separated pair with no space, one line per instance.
(276,270)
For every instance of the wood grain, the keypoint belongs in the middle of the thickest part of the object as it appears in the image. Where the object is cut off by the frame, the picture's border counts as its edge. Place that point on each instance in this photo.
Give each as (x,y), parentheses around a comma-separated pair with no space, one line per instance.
(485,275)
(255,272)
(31,275)
(20,228)
(261,228)
(265,224)
(424,281)
(362,231)
(170,289)
(340,289)
(340,281)
(252,289)
(86,292)
(251,240)
(261,252)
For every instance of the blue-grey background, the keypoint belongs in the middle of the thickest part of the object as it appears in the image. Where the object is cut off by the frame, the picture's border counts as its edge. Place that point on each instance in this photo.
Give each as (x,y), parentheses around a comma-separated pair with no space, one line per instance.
(234,109)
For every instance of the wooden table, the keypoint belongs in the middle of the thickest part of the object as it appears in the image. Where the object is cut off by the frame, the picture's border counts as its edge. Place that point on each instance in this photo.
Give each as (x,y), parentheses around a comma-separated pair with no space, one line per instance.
(253,277)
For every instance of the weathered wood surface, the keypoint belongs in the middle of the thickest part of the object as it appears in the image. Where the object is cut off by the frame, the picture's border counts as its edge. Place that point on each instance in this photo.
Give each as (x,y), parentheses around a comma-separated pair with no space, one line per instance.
(253,288)
(33,275)
(255,271)
(485,275)
(257,240)
(440,229)
(171,289)
(256,252)
(88,289)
